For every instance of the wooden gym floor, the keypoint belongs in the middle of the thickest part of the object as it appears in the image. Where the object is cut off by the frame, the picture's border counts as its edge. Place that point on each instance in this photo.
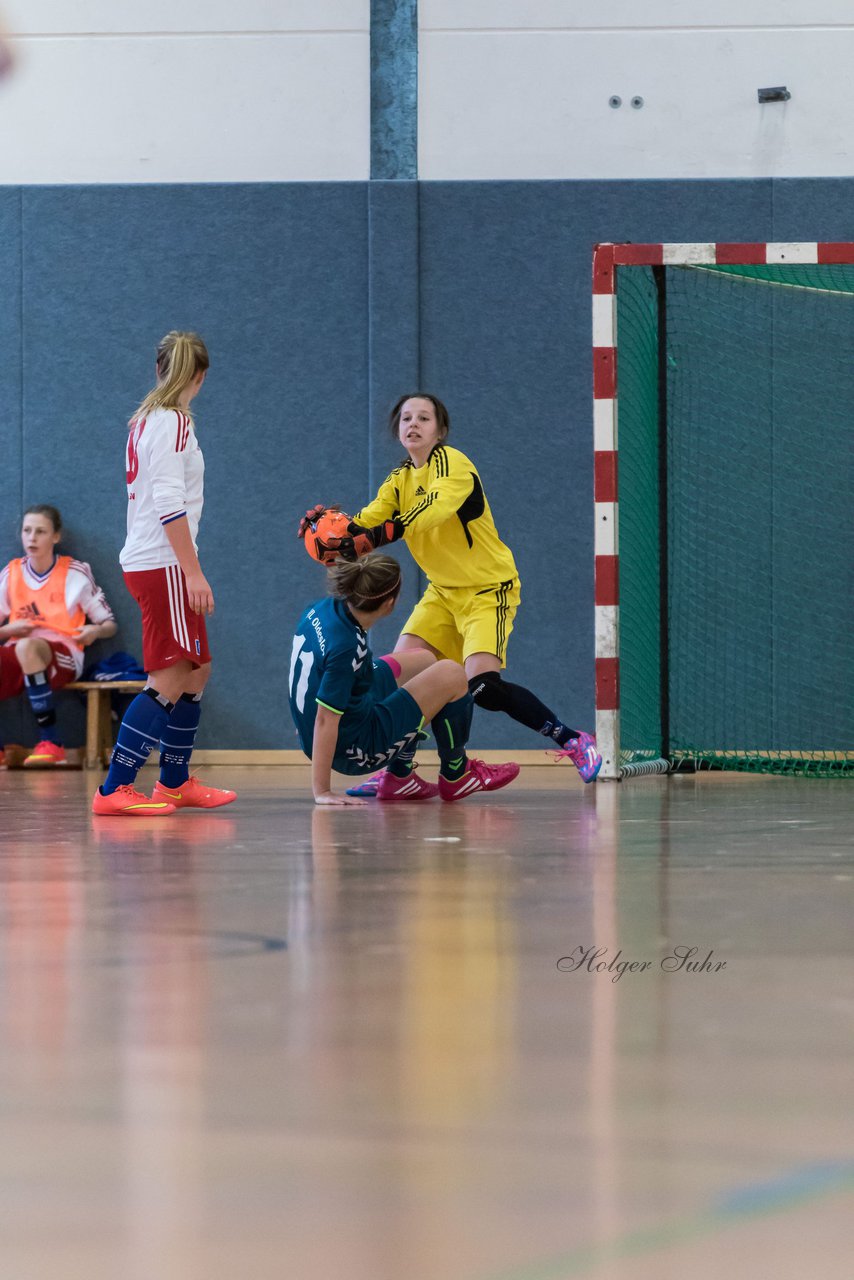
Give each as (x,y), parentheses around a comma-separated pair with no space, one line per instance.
(277,1042)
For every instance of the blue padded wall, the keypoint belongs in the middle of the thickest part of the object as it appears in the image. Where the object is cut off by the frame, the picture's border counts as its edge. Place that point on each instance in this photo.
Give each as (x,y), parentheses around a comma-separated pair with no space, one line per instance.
(321,303)
(275,280)
(505,339)
(11,401)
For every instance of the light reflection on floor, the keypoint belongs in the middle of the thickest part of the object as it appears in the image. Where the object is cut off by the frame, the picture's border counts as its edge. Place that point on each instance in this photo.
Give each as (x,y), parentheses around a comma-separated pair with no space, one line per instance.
(280,1041)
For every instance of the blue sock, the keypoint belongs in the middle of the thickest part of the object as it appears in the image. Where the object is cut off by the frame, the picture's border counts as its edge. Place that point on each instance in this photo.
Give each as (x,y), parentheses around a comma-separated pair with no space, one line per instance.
(40,695)
(451,727)
(139,731)
(178,738)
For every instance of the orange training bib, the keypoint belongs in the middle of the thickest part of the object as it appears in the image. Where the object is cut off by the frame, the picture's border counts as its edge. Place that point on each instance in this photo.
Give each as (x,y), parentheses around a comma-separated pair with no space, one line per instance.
(46,606)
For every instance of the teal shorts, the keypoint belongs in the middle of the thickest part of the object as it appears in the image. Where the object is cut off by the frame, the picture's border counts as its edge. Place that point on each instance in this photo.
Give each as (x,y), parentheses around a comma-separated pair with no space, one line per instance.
(392,725)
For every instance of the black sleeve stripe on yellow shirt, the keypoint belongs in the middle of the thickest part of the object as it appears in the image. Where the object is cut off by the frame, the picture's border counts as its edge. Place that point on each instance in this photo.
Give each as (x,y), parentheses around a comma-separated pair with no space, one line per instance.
(413,513)
(439,461)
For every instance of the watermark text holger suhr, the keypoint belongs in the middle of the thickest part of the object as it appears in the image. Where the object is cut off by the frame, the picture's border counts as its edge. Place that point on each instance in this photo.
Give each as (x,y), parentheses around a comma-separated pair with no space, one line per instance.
(678,960)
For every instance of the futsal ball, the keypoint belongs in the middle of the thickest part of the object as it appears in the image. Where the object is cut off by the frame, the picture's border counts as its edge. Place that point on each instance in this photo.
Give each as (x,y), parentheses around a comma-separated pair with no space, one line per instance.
(332,524)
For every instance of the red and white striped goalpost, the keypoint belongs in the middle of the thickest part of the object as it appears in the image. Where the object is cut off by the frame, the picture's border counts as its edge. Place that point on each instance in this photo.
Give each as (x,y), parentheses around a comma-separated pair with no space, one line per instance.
(606,258)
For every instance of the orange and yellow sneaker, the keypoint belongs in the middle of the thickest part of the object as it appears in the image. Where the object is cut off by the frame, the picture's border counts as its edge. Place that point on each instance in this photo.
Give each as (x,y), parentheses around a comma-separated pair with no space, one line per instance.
(45,755)
(193,794)
(127,802)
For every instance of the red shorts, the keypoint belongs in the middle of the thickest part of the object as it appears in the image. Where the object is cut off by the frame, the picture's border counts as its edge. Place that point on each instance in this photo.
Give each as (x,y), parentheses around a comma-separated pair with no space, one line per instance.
(170,629)
(61,671)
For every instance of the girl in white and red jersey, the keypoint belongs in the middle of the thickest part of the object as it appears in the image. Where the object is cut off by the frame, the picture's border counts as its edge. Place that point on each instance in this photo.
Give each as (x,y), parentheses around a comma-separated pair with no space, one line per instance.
(165,484)
(53,609)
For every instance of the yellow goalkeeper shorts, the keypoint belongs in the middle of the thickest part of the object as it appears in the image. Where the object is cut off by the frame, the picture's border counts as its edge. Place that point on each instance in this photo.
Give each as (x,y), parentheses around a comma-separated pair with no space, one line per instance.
(458,621)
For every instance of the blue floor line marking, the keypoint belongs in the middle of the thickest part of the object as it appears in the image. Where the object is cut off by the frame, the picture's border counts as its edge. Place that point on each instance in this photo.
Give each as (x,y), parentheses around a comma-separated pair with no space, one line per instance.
(756,1200)
(780,1191)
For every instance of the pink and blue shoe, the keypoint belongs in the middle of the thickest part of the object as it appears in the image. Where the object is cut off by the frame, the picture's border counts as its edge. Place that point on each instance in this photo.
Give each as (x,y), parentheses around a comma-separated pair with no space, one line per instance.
(368,789)
(583,754)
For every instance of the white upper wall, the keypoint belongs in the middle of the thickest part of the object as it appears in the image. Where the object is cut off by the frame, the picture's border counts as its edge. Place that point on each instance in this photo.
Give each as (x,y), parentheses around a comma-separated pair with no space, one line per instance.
(186,91)
(279,90)
(520,88)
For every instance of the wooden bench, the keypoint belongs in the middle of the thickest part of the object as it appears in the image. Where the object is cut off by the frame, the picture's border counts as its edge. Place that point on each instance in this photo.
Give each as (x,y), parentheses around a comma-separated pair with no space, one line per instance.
(99,732)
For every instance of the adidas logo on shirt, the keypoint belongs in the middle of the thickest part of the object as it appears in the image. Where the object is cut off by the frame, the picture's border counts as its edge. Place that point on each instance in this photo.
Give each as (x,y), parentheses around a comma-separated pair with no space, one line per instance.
(30,612)
(419,492)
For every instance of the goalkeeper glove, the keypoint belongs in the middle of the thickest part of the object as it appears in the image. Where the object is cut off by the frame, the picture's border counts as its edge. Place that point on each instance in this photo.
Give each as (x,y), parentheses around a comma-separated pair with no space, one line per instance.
(312,516)
(362,541)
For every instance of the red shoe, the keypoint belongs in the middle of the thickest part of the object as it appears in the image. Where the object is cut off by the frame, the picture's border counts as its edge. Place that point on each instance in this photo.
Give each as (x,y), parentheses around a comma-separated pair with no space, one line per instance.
(45,755)
(391,789)
(478,777)
(193,794)
(126,802)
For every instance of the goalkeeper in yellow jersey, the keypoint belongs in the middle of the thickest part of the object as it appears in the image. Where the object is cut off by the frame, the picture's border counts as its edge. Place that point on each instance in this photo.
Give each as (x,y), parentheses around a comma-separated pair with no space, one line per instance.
(436,502)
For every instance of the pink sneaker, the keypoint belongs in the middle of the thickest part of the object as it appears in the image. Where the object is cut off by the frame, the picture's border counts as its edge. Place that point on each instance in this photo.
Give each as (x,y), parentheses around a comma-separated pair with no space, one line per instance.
(45,755)
(127,802)
(193,794)
(477,777)
(391,789)
(583,754)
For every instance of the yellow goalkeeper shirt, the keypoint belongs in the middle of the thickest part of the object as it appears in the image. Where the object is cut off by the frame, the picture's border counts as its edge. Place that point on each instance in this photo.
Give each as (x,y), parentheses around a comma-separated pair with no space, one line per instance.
(447,521)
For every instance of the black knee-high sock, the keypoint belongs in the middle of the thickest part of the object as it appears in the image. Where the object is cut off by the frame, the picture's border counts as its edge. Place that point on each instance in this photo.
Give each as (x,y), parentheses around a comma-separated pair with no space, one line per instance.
(493,693)
(401,764)
(451,727)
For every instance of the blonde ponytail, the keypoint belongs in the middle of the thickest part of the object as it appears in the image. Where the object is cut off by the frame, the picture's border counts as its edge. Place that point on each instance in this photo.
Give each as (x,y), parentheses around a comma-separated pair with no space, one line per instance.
(367,583)
(180,357)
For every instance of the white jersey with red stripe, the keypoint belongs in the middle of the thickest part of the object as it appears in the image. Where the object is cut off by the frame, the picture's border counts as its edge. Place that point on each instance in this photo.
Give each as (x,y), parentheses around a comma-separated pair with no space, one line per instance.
(81,591)
(165,479)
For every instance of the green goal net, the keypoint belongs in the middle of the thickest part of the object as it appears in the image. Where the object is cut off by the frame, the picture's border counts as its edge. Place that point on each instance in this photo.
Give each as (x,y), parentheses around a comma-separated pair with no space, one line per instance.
(736,504)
